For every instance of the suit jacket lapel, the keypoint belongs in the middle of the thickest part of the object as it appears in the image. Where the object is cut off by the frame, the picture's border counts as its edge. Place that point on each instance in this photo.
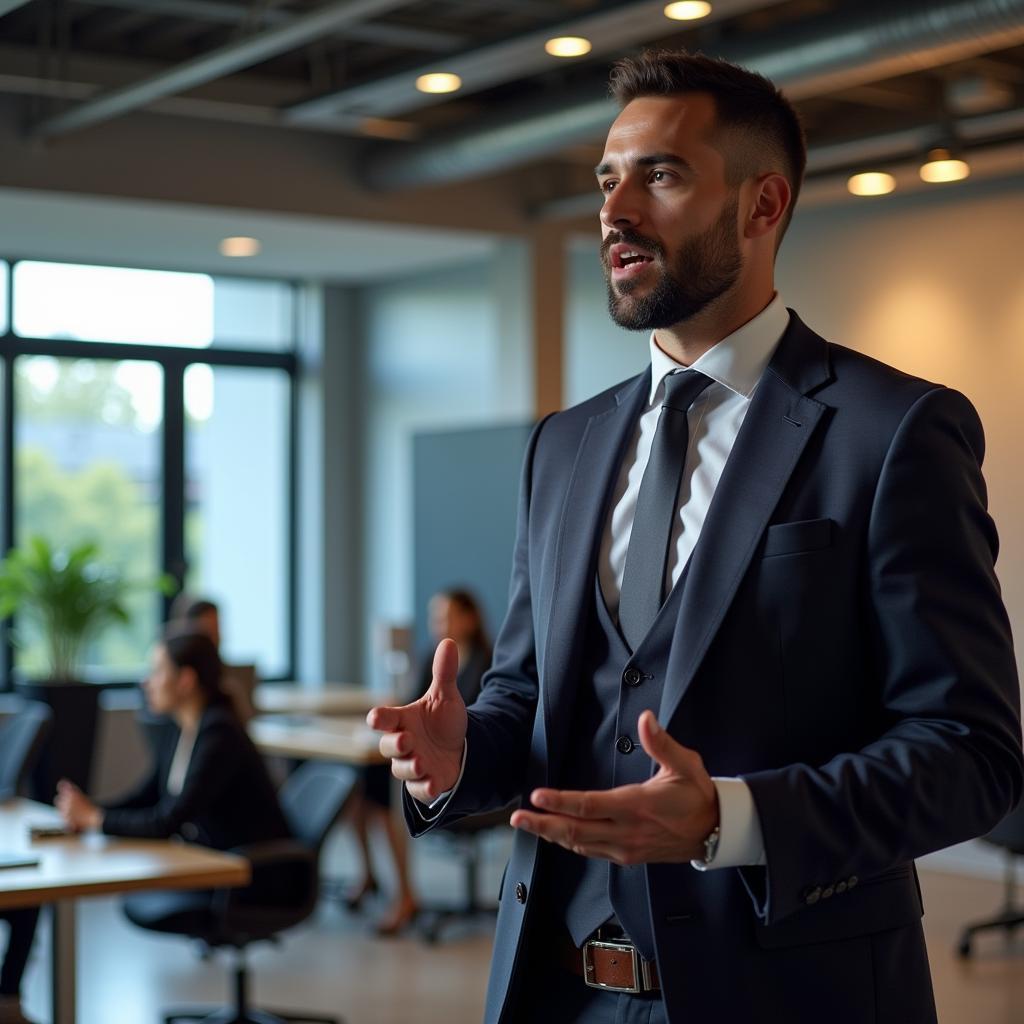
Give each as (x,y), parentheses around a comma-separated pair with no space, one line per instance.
(775,431)
(571,583)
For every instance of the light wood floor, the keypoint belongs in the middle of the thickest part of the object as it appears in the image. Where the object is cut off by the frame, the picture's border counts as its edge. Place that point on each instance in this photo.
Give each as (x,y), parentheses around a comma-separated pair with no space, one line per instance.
(335,966)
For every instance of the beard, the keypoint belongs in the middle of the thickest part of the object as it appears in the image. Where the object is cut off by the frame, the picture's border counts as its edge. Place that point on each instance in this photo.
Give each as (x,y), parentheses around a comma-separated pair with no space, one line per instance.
(704,268)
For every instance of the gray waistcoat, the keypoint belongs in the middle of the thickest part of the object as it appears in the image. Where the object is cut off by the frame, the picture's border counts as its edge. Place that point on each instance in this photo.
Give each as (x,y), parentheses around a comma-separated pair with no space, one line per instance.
(603,751)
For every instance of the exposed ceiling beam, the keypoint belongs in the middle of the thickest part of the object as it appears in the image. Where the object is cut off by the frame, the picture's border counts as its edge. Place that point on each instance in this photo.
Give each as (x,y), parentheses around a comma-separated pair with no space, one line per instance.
(216,64)
(610,29)
(223,13)
(826,54)
(6,6)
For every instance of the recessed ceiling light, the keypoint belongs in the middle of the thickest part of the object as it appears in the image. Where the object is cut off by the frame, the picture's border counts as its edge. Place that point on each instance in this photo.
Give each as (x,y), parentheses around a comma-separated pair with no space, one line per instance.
(567,46)
(689,10)
(871,183)
(239,246)
(942,166)
(439,81)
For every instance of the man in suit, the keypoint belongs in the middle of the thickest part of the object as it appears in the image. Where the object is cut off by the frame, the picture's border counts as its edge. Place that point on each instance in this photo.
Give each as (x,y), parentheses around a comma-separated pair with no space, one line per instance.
(755,659)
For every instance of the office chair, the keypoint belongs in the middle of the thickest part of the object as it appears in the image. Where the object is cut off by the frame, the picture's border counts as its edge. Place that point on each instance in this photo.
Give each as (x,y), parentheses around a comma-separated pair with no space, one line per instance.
(21,742)
(1009,835)
(283,893)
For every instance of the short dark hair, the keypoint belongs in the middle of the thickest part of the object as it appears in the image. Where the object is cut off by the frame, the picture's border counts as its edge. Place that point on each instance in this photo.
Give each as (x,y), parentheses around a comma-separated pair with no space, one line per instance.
(745,102)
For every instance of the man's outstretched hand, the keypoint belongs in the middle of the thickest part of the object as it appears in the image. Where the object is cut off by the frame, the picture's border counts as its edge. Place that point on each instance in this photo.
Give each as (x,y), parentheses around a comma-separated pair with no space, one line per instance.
(424,740)
(665,818)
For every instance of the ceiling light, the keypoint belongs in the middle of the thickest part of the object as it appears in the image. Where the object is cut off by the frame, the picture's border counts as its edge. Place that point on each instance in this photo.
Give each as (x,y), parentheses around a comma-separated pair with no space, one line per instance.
(941,166)
(567,46)
(240,245)
(871,183)
(439,81)
(690,10)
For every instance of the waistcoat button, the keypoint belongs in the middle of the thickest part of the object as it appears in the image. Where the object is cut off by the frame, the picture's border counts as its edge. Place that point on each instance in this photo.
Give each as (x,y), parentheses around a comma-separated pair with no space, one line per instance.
(632,676)
(520,892)
(623,744)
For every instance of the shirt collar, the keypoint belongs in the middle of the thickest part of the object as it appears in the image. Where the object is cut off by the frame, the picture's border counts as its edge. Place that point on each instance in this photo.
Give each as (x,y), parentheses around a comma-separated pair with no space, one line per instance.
(738,360)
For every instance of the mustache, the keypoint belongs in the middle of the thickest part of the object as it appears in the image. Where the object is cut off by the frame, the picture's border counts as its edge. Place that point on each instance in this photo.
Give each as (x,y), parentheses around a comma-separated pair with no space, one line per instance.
(629,238)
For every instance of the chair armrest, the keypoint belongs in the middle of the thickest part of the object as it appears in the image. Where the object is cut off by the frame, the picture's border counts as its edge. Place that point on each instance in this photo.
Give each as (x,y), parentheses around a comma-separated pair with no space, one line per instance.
(285,874)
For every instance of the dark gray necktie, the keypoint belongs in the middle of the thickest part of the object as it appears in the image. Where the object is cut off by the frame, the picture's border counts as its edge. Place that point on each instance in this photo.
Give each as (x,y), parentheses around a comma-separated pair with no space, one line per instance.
(656,507)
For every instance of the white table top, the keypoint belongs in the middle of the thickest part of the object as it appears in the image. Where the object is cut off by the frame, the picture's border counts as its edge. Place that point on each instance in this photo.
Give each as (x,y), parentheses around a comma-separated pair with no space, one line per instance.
(317,737)
(328,699)
(94,865)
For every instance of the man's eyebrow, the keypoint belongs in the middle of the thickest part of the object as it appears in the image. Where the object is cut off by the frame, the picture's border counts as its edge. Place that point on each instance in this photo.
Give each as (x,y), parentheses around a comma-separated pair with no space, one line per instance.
(651,160)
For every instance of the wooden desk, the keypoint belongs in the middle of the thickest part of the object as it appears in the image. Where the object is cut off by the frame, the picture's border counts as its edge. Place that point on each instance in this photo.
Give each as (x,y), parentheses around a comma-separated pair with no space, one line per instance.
(330,699)
(317,737)
(96,865)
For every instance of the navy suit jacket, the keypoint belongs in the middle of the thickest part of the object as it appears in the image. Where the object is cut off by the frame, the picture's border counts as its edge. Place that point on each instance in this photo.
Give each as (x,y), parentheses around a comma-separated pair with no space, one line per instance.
(841,645)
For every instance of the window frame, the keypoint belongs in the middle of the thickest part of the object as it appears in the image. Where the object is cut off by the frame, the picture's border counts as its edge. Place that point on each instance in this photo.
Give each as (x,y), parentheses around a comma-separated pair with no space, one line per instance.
(174,363)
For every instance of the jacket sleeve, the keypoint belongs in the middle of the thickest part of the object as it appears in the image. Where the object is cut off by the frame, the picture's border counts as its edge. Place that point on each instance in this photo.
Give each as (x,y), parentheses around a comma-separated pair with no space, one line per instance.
(145,794)
(210,774)
(947,764)
(501,719)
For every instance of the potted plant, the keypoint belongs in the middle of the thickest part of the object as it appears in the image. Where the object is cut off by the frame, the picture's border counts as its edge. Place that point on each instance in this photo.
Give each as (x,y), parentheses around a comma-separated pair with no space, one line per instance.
(70,596)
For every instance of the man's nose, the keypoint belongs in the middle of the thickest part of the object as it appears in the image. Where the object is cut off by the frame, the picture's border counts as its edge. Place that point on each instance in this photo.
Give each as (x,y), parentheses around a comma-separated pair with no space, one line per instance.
(621,207)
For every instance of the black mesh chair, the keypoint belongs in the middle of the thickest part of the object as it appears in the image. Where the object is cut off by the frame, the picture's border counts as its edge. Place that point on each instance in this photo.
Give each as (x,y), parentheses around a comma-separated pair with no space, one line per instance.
(283,893)
(1009,835)
(21,742)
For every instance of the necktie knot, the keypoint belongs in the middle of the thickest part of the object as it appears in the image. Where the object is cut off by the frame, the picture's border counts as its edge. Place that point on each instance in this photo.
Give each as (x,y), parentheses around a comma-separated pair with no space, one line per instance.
(682,389)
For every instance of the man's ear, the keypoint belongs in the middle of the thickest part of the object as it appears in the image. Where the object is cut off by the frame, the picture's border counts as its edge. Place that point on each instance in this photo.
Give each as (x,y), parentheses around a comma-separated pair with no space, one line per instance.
(771,196)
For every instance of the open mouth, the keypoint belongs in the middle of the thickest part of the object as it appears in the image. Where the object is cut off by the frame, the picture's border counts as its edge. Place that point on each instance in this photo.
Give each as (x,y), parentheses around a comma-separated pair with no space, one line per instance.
(626,260)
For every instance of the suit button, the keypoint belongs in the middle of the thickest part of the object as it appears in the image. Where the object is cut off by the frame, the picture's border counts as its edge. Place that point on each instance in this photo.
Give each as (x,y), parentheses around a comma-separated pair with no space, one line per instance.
(840,887)
(827,892)
(623,744)
(632,677)
(520,892)
(811,896)
(852,881)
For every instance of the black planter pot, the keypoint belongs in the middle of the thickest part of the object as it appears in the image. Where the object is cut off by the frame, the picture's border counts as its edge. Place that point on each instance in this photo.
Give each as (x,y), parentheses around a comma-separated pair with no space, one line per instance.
(68,752)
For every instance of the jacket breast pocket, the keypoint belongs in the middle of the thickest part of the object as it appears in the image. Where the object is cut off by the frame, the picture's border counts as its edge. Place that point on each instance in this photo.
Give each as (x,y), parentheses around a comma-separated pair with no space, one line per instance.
(792,538)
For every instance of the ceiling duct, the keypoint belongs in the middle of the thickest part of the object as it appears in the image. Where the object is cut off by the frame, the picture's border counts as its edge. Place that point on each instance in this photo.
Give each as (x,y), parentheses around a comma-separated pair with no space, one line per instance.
(834,51)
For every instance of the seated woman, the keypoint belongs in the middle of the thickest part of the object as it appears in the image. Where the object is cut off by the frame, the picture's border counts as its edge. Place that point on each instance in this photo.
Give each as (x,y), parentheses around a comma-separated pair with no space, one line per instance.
(208,783)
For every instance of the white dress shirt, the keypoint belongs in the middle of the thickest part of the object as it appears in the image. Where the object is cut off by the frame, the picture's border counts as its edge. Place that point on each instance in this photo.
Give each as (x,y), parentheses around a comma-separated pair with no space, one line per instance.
(735,364)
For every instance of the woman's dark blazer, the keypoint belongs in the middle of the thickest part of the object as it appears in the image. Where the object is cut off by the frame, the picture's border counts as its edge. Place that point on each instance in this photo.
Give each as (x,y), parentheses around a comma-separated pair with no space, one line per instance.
(227,798)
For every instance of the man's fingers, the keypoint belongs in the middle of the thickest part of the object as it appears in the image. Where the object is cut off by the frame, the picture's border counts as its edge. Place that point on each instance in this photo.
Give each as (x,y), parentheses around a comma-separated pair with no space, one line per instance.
(385,719)
(573,833)
(408,769)
(395,744)
(446,669)
(587,804)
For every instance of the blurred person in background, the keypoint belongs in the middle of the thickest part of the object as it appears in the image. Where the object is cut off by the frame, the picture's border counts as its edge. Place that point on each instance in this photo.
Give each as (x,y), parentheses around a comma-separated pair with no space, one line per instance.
(453,613)
(237,681)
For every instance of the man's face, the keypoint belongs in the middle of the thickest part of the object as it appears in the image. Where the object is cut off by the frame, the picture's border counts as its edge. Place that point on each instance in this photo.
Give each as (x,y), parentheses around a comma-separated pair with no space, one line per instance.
(670,242)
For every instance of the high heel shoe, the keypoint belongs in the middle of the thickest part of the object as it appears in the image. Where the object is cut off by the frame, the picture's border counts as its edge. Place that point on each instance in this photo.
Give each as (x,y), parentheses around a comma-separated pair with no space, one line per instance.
(354,898)
(397,920)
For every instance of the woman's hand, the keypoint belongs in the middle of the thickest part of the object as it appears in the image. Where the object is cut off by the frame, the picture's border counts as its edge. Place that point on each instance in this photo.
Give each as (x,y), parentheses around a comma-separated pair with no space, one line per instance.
(77,810)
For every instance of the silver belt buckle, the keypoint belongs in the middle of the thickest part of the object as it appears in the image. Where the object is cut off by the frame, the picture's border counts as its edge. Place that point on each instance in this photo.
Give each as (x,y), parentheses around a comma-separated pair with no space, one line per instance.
(640,972)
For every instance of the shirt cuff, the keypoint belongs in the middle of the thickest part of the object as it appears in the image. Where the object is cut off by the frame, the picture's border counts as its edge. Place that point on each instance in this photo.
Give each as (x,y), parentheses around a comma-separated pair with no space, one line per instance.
(740,843)
(434,810)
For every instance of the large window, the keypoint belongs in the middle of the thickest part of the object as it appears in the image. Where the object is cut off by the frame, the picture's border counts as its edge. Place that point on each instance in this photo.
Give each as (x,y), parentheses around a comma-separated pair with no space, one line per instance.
(150,412)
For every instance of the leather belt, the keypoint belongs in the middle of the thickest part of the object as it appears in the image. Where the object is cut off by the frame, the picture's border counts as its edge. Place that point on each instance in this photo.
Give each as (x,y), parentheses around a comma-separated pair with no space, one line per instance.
(613,964)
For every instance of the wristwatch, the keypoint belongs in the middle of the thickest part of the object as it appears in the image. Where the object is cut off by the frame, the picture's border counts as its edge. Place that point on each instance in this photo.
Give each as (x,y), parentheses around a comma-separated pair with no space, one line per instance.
(710,849)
